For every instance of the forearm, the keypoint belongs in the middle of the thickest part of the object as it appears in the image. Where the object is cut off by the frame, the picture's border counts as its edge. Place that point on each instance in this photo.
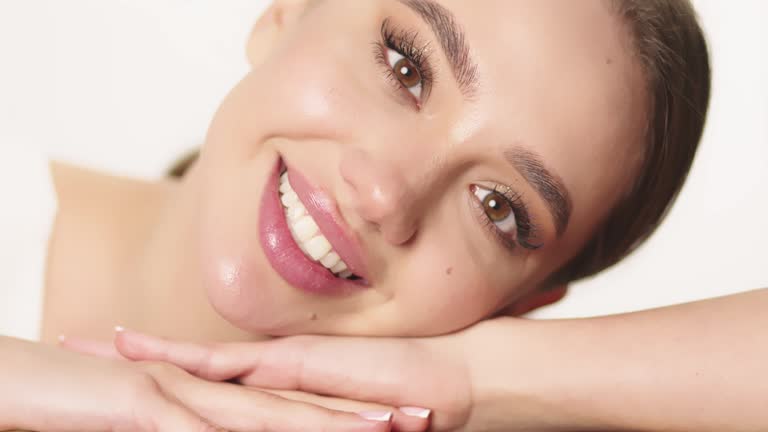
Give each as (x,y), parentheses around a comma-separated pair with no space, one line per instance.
(699,366)
(12,353)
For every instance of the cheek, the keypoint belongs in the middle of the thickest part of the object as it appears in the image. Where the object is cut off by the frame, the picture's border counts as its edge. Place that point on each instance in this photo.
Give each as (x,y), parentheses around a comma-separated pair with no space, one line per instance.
(226,251)
(313,95)
(234,272)
(234,163)
(443,292)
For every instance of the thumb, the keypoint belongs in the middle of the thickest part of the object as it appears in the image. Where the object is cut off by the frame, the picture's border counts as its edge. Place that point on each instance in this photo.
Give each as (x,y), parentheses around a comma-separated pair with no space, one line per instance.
(213,362)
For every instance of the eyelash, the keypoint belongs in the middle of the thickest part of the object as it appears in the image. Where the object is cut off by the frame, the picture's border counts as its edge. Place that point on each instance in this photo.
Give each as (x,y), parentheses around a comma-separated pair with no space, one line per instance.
(405,43)
(526,229)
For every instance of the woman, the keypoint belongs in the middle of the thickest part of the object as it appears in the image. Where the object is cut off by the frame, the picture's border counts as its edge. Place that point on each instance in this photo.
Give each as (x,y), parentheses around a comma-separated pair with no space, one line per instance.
(443,163)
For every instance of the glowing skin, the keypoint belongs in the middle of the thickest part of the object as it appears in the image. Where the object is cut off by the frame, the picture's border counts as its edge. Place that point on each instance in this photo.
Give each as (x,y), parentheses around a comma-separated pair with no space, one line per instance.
(554,78)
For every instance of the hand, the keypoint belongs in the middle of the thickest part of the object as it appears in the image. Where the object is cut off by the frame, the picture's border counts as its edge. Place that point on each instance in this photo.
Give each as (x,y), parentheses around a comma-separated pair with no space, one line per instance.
(45,388)
(430,372)
(403,419)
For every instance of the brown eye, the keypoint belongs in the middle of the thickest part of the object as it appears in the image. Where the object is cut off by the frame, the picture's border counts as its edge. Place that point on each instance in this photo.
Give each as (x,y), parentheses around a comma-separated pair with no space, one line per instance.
(407,73)
(496,207)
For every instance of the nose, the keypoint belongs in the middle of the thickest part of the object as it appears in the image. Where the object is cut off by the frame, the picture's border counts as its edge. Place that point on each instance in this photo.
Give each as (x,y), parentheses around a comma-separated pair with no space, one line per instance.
(382,195)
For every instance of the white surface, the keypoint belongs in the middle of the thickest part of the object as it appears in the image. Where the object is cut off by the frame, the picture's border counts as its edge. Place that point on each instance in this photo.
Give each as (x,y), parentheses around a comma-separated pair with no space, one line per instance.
(128,85)
(25,227)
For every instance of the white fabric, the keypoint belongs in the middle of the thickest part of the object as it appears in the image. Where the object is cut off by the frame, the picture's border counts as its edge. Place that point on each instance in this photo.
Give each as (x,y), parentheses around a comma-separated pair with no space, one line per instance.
(28,211)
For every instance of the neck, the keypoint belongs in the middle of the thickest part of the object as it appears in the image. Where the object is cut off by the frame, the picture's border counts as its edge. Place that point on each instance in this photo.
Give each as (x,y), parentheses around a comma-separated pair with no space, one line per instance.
(119,255)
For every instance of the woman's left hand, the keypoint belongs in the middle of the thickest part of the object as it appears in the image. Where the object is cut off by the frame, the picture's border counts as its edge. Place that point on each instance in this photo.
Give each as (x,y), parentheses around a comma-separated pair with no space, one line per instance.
(135,346)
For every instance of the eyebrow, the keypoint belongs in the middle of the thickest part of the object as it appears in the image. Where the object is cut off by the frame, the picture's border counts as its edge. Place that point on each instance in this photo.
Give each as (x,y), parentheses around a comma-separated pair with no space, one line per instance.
(547,185)
(452,39)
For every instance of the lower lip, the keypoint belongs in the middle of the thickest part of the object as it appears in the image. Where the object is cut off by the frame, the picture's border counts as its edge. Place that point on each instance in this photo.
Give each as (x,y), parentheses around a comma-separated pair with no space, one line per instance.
(285,255)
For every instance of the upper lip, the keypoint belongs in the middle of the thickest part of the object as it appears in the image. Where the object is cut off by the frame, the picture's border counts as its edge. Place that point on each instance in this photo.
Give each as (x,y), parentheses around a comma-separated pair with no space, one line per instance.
(323,209)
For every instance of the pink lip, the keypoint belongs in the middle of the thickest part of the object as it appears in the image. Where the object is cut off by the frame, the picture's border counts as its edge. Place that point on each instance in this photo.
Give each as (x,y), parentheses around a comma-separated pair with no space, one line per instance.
(284,254)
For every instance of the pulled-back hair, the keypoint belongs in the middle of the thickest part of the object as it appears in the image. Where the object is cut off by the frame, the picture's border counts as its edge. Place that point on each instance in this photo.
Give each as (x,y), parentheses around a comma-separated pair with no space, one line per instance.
(670,46)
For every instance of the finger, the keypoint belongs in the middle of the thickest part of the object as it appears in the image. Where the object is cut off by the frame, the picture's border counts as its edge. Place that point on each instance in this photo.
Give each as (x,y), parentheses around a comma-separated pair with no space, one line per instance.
(89,347)
(228,361)
(199,360)
(340,367)
(168,416)
(236,407)
(326,365)
(404,419)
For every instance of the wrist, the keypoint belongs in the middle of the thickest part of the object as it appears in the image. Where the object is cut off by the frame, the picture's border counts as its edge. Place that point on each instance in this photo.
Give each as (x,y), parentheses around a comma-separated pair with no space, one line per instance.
(522,376)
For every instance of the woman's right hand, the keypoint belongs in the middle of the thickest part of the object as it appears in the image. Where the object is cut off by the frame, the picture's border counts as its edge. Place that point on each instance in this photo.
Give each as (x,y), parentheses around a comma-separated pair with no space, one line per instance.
(48,389)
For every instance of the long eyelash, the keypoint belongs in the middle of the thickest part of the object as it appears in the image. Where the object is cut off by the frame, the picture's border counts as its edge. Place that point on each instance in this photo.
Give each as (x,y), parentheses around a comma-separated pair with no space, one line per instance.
(526,229)
(406,43)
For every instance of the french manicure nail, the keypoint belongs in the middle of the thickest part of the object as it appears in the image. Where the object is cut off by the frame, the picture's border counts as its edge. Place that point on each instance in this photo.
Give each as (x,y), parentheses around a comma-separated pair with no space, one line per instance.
(382,416)
(416,412)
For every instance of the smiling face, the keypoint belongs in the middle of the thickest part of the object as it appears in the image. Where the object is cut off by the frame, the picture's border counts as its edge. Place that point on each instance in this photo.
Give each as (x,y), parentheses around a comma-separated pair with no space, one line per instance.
(452,154)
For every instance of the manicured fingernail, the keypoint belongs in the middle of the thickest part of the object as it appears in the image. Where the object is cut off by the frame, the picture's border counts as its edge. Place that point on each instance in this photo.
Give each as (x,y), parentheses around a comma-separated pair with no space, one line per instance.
(416,412)
(119,329)
(62,338)
(382,416)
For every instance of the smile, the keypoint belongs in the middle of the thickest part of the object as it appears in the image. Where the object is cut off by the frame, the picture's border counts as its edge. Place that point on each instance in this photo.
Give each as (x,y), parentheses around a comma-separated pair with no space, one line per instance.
(307,234)
(304,237)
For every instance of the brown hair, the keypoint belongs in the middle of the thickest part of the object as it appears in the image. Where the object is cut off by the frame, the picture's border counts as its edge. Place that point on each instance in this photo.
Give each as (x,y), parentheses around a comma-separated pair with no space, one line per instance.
(672,50)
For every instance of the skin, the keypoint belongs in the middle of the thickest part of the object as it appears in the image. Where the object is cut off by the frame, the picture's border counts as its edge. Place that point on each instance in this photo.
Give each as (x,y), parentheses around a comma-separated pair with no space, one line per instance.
(183,259)
(663,369)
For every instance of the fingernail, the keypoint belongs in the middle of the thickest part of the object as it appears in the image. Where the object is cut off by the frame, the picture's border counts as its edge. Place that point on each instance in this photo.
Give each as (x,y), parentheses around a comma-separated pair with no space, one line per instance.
(119,329)
(382,416)
(62,338)
(416,412)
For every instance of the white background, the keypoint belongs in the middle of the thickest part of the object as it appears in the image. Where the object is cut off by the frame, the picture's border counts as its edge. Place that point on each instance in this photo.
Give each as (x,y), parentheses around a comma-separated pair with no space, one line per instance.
(129,85)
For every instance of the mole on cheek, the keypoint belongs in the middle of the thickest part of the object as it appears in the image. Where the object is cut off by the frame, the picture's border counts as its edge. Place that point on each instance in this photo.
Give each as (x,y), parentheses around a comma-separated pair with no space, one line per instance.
(448,271)
(313,317)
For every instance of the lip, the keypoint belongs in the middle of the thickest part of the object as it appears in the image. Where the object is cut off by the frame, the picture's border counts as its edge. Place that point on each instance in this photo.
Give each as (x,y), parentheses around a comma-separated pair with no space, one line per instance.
(284,254)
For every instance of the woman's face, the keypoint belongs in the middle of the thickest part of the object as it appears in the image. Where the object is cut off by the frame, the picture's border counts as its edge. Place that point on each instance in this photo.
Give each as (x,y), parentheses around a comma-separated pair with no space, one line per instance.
(450,154)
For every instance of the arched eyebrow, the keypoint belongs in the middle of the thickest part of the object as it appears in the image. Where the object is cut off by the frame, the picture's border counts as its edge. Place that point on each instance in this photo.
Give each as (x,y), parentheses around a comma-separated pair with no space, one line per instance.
(452,40)
(548,185)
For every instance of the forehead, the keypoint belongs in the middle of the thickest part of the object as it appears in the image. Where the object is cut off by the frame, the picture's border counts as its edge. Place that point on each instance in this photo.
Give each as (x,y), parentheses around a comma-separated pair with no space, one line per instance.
(559,77)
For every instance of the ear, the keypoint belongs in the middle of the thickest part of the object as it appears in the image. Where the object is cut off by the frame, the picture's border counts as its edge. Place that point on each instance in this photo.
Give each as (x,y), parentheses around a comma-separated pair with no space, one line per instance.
(271,26)
(535,299)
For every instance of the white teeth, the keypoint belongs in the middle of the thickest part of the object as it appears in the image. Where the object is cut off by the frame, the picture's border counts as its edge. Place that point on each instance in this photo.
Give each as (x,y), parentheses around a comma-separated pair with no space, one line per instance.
(330,260)
(284,187)
(295,212)
(339,267)
(305,231)
(305,228)
(317,247)
(289,198)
